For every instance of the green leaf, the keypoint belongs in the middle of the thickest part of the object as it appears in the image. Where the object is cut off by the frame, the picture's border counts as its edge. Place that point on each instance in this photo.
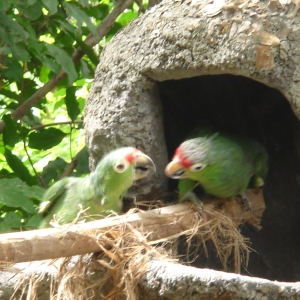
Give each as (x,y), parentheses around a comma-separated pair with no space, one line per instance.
(18,167)
(51,6)
(64,60)
(32,192)
(13,26)
(9,94)
(5,5)
(12,194)
(83,161)
(33,222)
(126,17)
(53,170)
(4,227)
(10,132)
(85,71)
(13,220)
(14,69)
(45,138)
(30,2)
(84,2)
(31,12)
(88,51)
(80,16)
(7,38)
(71,103)
(44,74)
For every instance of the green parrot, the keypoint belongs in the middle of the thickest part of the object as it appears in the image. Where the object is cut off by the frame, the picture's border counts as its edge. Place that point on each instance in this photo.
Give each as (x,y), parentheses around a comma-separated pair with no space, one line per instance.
(102,190)
(221,164)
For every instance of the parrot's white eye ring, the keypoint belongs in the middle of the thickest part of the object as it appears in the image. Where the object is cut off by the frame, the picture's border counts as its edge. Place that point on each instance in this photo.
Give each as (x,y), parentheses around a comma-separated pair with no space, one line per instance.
(121,166)
(197,167)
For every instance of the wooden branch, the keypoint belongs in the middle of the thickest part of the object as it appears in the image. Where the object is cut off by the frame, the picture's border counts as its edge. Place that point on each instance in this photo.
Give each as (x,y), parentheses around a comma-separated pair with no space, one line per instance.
(102,29)
(156,225)
(169,281)
(80,238)
(163,280)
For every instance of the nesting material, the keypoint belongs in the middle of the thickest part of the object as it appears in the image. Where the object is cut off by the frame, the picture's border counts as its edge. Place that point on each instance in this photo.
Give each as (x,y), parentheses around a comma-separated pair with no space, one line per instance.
(126,248)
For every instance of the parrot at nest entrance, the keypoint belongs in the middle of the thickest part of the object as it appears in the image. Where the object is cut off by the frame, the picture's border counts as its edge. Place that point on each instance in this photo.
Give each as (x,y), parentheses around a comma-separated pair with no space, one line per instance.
(223,165)
(102,190)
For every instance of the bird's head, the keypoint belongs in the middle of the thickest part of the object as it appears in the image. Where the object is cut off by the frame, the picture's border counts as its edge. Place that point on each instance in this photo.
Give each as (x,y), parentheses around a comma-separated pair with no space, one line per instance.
(126,159)
(189,159)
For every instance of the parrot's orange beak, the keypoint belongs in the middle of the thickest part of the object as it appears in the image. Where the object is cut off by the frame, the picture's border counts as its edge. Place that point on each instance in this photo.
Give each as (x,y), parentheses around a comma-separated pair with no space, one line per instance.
(175,170)
(142,165)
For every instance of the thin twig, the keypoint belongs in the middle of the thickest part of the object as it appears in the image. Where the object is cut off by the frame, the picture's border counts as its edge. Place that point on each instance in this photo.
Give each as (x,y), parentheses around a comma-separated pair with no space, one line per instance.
(34,170)
(56,123)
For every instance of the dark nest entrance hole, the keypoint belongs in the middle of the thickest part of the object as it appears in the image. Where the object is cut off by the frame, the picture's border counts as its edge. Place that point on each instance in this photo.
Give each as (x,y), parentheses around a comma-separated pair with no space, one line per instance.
(240,105)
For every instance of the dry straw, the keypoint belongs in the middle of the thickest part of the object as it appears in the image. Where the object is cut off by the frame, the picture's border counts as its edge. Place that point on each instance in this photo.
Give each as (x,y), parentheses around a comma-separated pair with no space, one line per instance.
(126,250)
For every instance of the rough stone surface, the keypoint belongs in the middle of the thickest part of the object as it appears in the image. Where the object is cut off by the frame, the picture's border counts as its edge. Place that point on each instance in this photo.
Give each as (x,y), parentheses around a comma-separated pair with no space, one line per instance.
(154,85)
(174,41)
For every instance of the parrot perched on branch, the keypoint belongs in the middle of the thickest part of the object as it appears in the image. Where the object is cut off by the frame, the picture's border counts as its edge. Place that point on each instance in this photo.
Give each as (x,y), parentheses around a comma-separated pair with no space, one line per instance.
(221,164)
(102,190)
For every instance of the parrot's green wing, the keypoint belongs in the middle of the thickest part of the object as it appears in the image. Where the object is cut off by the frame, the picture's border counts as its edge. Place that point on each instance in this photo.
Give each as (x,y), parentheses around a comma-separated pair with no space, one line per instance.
(52,194)
(186,185)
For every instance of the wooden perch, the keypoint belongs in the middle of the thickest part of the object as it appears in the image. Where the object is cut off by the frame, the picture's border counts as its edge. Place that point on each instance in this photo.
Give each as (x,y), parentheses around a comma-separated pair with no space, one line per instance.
(155,225)
(80,238)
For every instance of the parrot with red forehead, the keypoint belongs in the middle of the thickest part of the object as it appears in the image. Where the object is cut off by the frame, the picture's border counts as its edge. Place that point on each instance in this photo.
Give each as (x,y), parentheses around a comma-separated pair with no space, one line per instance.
(221,164)
(102,190)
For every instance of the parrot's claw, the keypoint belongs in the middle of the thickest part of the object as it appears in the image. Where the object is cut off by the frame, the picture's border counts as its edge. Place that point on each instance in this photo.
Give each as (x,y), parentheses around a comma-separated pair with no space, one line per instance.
(192,198)
(246,201)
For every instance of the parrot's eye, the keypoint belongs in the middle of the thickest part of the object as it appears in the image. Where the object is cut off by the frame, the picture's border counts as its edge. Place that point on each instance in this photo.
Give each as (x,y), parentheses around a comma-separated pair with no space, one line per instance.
(197,167)
(120,167)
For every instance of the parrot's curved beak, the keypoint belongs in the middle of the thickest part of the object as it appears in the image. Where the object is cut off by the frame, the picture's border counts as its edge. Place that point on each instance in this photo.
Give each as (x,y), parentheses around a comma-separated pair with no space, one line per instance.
(142,165)
(175,170)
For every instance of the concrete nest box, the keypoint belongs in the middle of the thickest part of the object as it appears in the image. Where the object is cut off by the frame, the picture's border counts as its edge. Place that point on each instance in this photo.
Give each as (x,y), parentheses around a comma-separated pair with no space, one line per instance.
(187,64)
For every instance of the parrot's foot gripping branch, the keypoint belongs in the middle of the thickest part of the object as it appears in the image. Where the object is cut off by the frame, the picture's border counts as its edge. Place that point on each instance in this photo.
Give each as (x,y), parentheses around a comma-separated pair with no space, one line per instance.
(192,198)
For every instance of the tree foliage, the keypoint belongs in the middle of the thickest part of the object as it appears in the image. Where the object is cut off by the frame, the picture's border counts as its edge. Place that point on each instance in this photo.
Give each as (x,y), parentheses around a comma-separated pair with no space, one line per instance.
(49,50)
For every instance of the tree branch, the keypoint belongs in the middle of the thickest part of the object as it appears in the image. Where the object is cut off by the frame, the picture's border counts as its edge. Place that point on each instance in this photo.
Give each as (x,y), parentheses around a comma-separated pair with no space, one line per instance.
(156,225)
(90,41)
(80,239)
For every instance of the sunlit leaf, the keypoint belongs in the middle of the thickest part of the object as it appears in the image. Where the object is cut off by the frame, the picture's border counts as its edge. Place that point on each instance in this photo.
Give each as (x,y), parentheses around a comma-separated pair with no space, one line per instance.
(80,15)
(51,5)
(12,194)
(45,138)
(127,17)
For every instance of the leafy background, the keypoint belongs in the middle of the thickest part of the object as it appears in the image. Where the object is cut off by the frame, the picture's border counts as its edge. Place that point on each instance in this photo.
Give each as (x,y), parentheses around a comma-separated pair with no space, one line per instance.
(49,50)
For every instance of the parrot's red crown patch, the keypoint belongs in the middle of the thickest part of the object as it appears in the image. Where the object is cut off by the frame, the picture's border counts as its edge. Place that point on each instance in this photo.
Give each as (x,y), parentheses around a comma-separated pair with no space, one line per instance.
(186,163)
(131,156)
